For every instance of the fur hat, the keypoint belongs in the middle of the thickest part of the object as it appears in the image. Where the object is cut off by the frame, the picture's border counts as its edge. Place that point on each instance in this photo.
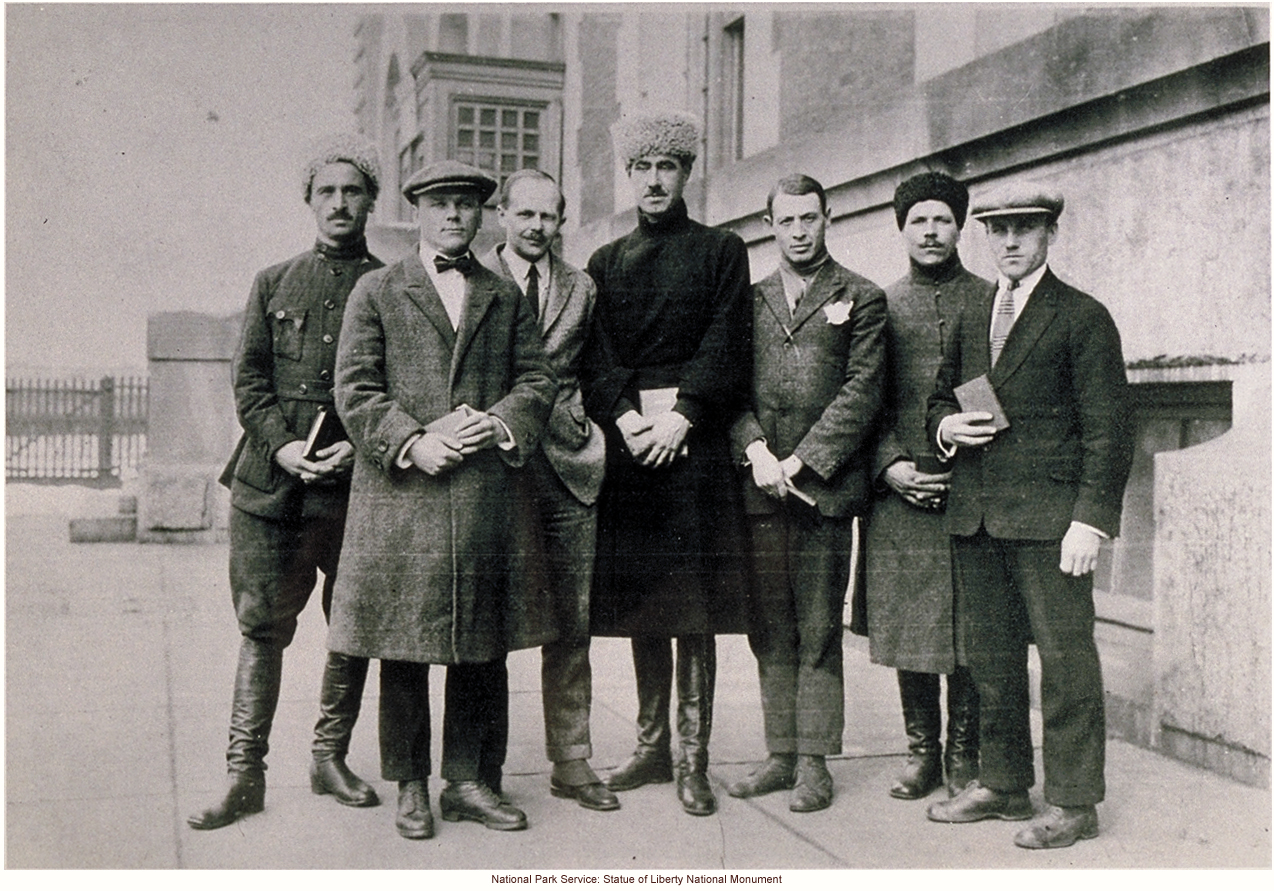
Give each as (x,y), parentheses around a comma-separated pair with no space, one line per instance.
(931,186)
(663,133)
(1018,198)
(348,147)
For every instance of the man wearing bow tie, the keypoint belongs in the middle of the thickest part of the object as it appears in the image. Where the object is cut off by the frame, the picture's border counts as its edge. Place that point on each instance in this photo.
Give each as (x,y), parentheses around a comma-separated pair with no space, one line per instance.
(443,385)
(561,480)
(1028,507)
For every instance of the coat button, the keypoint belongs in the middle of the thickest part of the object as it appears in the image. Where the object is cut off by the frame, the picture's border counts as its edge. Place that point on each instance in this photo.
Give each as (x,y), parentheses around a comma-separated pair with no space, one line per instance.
(325,374)
(383,447)
(303,388)
(327,338)
(330,304)
(336,271)
(280,315)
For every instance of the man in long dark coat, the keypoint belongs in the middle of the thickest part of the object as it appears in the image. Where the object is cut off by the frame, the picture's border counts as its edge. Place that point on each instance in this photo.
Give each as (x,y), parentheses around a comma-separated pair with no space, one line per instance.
(666,369)
(818,377)
(288,508)
(442,382)
(1029,505)
(910,602)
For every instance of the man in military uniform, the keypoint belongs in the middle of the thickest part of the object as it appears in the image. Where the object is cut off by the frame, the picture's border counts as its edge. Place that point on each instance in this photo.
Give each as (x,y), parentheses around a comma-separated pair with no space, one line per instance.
(666,370)
(288,507)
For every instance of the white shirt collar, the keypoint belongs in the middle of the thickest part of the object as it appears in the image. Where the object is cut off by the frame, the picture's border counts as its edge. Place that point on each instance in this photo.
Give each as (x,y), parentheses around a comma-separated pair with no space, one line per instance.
(450,285)
(521,267)
(1026,284)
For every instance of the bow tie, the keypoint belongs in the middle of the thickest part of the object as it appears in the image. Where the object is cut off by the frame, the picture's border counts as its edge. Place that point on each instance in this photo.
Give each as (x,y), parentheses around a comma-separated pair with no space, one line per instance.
(464,264)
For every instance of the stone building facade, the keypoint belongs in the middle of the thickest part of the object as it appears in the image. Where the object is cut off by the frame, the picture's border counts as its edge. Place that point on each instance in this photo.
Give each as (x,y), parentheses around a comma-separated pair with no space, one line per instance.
(1154,122)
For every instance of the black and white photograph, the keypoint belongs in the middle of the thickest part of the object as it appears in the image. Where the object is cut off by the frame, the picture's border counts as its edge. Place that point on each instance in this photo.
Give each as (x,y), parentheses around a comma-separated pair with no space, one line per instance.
(638,443)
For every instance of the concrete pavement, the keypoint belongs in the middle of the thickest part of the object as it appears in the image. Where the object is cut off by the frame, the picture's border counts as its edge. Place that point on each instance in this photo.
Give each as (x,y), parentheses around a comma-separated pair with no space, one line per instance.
(119,663)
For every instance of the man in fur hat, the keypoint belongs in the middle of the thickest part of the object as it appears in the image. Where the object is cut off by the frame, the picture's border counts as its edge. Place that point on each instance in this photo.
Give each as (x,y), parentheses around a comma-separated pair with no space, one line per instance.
(288,505)
(666,369)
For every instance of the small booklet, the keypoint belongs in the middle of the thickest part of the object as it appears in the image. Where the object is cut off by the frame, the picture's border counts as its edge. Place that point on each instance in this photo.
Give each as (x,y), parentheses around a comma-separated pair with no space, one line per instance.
(655,402)
(450,422)
(325,431)
(978,395)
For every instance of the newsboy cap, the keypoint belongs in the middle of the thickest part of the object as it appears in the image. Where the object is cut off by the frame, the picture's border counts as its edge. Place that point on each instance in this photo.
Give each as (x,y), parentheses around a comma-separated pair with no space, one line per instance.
(449,176)
(672,133)
(1017,198)
(931,186)
(349,148)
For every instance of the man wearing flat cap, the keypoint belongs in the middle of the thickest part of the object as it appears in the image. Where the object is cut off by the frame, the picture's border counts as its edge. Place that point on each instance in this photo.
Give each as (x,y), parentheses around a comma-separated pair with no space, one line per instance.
(666,369)
(909,597)
(442,382)
(1029,505)
(287,504)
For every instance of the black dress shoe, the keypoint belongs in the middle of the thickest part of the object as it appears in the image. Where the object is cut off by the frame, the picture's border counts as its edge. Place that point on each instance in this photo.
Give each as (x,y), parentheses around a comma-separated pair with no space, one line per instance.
(695,794)
(977,802)
(813,789)
(640,769)
(472,800)
(1059,827)
(245,795)
(330,776)
(920,776)
(415,819)
(776,773)
(594,796)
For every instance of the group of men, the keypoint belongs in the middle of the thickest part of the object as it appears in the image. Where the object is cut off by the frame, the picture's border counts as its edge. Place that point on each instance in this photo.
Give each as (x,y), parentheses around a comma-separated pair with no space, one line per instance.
(519,453)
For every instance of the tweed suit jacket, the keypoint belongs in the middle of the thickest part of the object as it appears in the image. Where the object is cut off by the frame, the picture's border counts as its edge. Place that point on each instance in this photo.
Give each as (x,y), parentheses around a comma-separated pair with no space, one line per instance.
(818,383)
(574,446)
(1062,384)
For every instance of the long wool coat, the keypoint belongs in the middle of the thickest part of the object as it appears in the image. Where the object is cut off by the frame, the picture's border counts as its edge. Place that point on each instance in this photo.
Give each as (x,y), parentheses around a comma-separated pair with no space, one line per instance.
(908,553)
(673,310)
(424,574)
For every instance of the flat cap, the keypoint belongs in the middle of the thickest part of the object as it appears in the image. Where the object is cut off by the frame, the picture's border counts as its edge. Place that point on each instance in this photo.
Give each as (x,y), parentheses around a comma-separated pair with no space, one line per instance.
(1017,198)
(672,133)
(450,176)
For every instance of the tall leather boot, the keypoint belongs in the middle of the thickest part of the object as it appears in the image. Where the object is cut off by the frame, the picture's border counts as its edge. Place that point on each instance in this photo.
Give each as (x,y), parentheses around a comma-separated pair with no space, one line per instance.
(256,695)
(339,703)
(922,718)
(961,754)
(696,681)
(651,762)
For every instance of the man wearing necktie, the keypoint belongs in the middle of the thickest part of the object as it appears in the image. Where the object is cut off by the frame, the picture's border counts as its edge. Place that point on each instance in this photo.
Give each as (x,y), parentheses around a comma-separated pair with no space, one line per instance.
(1027,510)
(561,480)
(443,385)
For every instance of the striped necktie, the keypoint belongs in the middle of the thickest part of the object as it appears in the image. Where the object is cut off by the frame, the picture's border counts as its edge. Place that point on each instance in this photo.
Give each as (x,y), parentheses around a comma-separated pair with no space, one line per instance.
(1002,322)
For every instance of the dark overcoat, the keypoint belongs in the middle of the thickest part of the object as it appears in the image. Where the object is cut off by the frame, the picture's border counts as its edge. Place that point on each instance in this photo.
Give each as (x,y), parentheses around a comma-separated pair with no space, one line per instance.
(673,310)
(818,383)
(908,552)
(424,571)
(283,372)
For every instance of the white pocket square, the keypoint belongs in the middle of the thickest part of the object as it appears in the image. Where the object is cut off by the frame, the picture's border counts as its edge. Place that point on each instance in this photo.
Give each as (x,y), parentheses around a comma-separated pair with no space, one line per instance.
(838,313)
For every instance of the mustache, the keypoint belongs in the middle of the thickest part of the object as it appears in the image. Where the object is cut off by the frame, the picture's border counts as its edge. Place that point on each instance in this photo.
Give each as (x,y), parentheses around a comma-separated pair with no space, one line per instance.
(656,192)
(340,215)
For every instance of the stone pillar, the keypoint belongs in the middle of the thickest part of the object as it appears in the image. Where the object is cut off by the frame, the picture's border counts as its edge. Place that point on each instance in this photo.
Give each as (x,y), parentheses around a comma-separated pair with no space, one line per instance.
(1212,590)
(192,427)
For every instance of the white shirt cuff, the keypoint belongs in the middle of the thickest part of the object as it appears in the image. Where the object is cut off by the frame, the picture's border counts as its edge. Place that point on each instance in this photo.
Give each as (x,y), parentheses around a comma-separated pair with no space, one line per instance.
(1089,528)
(946,452)
(402,461)
(507,444)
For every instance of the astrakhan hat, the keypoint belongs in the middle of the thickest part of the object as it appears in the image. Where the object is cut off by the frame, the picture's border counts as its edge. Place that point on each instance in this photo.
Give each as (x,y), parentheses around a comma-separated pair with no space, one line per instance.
(663,133)
(448,176)
(350,148)
(931,186)
(1018,198)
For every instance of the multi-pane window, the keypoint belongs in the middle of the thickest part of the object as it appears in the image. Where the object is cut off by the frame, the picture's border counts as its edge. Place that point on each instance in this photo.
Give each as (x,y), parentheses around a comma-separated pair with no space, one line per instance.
(497,138)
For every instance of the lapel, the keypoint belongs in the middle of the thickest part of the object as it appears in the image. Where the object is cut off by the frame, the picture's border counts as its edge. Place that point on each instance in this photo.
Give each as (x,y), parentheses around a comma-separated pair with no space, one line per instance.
(825,285)
(422,293)
(561,284)
(771,290)
(479,294)
(1040,310)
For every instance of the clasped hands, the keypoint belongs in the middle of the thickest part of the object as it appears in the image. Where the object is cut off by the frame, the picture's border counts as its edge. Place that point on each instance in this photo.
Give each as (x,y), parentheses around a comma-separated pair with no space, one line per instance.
(435,452)
(655,440)
(772,476)
(332,461)
(923,490)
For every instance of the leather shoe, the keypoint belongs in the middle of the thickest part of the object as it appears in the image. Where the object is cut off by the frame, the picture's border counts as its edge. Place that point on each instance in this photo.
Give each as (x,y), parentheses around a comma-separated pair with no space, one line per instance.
(245,795)
(640,769)
(594,796)
(1059,827)
(813,790)
(695,794)
(330,776)
(415,819)
(977,802)
(960,772)
(775,774)
(920,776)
(472,800)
